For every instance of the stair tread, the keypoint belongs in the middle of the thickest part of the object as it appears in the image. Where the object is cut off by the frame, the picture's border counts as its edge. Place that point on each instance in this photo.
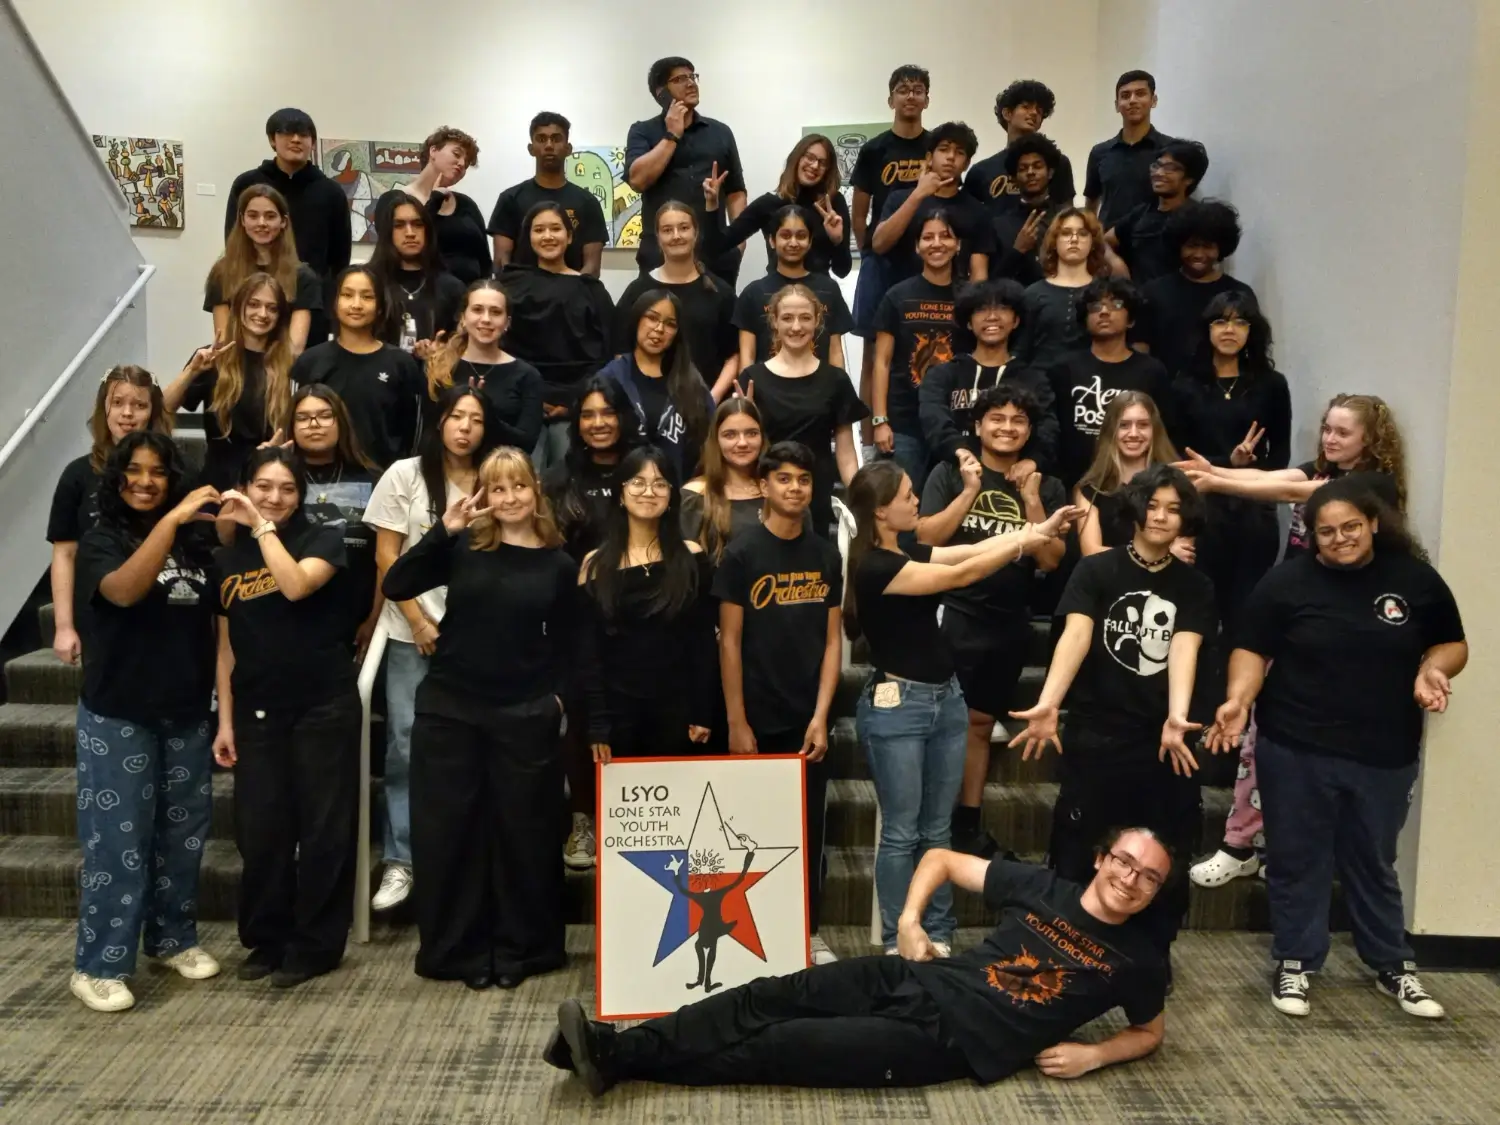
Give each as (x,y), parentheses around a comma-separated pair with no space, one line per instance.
(62,851)
(859,790)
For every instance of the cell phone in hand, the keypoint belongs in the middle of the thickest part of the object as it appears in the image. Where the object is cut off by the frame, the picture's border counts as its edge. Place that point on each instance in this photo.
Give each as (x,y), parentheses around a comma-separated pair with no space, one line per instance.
(664,99)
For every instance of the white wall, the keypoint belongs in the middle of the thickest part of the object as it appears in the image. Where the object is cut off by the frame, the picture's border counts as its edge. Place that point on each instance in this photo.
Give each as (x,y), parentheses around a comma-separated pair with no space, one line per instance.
(210,73)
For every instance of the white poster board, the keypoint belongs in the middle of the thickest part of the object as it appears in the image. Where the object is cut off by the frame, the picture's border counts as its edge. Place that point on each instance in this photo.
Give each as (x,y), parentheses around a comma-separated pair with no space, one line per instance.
(702,872)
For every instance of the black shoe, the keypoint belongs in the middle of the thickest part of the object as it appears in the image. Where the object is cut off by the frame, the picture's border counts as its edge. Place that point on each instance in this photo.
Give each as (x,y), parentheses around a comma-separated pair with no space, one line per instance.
(556,1052)
(1170,982)
(582,1038)
(479,981)
(512,979)
(259,964)
(291,976)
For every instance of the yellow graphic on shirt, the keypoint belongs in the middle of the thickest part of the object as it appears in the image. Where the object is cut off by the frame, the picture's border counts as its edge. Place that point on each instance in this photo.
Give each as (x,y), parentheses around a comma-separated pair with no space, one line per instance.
(902,171)
(797,587)
(247,587)
(994,512)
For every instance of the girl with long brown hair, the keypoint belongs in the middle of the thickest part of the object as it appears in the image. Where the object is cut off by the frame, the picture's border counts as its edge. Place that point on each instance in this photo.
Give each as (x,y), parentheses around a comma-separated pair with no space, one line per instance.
(511,387)
(1072,255)
(261,242)
(726,500)
(1131,438)
(128,399)
(487,772)
(243,384)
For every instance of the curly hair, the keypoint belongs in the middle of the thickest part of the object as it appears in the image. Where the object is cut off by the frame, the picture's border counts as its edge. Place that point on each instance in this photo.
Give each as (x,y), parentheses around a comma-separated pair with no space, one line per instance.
(445,135)
(1394,535)
(113,511)
(956,132)
(1032,144)
(1385,451)
(992,293)
(1209,221)
(1022,91)
(1098,263)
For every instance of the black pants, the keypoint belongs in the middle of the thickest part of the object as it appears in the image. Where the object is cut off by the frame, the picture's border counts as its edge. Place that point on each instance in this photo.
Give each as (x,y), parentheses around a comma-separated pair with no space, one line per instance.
(1110,784)
(816,796)
(655,728)
(487,831)
(862,1023)
(296,821)
(1239,543)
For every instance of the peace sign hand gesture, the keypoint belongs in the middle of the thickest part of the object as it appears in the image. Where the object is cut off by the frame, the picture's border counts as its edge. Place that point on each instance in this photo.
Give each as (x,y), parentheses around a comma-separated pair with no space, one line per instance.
(1028,235)
(833,222)
(711,185)
(204,358)
(278,438)
(465,510)
(1244,453)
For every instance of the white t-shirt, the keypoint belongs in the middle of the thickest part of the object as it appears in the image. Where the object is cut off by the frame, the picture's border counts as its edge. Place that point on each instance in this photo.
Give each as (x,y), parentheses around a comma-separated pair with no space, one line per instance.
(399,503)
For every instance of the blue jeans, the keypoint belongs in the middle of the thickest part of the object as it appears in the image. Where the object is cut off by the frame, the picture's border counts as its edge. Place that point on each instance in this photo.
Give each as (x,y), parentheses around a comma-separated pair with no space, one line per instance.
(405,668)
(911,454)
(1327,815)
(916,756)
(551,445)
(145,797)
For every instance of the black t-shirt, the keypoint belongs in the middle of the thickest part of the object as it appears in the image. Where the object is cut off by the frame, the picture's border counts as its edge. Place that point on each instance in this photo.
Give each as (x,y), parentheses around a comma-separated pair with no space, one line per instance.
(887,163)
(759,217)
(1050,330)
(705,142)
(381,389)
(585,216)
(1121,689)
(1120,173)
(661,422)
(1382,484)
(1142,235)
(428,305)
(1048,968)
(155,659)
(809,409)
(224,454)
(970,221)
(559,322)
(461,240)
(307,296)
(1116,524)
(902,629)
(919,315)
(287,654)
(581,501)
(1172,324)
(988,182)
(754,305)
(75,502)
(337,496)
(1344,647)
(999,509)
(707,320)
(1083,385)
(786,588)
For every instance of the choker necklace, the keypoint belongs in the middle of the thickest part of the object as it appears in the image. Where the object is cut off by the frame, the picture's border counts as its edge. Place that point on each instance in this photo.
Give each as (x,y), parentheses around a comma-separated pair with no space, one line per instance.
(1144,563)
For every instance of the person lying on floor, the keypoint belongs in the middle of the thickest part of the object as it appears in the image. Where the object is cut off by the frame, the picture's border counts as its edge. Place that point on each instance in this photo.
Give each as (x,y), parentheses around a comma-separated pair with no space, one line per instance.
(1061,956)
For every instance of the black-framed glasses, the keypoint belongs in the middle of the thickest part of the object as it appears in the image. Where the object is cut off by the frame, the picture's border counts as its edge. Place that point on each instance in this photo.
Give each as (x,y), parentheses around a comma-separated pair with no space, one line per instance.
(1114,304)
(316,418)
(1231,322)
(1127,866)
(679,79)
(1166,166)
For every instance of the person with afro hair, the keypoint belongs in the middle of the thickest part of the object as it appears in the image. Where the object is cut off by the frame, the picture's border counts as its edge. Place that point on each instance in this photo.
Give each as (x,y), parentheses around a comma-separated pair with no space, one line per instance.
(1140,237)
(1020,108)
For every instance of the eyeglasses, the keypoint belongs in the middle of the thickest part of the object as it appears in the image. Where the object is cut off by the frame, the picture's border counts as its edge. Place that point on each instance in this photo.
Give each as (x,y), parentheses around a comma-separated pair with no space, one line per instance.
(1114,304)
(1166,166)
(817,161)
(679,79)
(909,92)
(657,318)
(1127,866)
(1230,322)
(319,418)
(639,486)
(1072,235)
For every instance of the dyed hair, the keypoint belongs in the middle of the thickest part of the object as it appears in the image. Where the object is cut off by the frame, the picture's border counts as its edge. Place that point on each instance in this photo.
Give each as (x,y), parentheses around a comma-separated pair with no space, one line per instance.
(1385,451)
(1108,470)
(131,375)
(601,579)
(277,360)
(239,259)
(874,486)
(509,463)
(787,187)
(1097,262)
(347,451)
(713,533)
(441,363)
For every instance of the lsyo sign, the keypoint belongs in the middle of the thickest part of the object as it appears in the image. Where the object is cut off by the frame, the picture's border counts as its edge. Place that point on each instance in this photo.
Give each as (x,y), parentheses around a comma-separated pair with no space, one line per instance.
(702,878)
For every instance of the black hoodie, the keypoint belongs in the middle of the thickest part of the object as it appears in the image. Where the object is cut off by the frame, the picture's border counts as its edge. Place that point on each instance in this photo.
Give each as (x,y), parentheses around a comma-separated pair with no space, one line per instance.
(320,214)
(947,396)
(560,324)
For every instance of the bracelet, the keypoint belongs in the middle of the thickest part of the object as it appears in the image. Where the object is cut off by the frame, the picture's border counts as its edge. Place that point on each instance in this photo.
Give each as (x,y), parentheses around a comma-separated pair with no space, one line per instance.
(262,529)
(880,420)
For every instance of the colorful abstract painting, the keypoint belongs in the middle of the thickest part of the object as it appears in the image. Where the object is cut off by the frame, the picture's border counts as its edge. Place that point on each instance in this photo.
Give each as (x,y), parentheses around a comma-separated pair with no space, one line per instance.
(600,169)
(148,171)
(366,170)
(847,141)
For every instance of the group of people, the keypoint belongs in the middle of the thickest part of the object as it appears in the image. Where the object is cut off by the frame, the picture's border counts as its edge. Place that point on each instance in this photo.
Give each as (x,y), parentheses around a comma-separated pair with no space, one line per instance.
(1074,414)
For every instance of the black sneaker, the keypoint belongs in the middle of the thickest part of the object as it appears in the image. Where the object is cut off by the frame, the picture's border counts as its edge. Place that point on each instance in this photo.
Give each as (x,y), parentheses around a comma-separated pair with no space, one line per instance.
(1289,989)
(980,844)
(556,1052)
(1405,987)
(259,964)
(583,1038)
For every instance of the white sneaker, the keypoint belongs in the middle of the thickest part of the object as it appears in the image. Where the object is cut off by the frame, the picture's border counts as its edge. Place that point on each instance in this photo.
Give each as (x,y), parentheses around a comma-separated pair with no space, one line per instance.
(579,851)
(1406,989)
(944,950)
(1221,868)
(102,994)
(395,887)
(821,954)
(194,963)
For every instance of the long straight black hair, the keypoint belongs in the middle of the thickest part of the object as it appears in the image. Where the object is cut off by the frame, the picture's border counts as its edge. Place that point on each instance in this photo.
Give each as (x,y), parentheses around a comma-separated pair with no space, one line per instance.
(430,448)
(568,505)
(113,511)
(686,386)
(874,486)
(679,587)
(386,263)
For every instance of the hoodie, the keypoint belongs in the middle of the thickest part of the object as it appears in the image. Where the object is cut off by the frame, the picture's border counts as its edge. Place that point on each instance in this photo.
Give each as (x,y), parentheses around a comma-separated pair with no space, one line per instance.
(947,395)
(320,214)
(560,324)
(668,433)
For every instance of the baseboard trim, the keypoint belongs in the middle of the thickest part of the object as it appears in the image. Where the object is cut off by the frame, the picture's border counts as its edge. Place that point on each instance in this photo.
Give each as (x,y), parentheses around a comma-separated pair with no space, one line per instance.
(1441,953)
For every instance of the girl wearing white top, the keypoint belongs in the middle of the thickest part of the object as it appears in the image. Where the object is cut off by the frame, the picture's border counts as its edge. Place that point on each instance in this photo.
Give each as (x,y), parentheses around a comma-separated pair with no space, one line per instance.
(401,510)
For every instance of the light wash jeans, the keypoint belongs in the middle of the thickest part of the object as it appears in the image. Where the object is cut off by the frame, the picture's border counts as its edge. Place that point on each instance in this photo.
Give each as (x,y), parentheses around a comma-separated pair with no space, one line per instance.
(405,668)
(916,755)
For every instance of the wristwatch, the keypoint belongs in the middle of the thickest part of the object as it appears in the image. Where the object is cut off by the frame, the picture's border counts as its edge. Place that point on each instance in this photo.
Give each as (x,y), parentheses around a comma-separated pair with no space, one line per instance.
(880,420)
(675,138)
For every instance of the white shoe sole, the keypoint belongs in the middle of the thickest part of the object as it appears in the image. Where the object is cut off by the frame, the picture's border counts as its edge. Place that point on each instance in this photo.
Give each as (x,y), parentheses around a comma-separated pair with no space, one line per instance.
(1409,1009)
(202,972)
(1297,1008)
(94,1003)
(578,862)
(1216,871)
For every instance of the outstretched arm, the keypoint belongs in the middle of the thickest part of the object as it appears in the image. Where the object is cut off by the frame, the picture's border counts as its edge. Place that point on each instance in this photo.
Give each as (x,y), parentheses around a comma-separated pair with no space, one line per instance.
(744,871)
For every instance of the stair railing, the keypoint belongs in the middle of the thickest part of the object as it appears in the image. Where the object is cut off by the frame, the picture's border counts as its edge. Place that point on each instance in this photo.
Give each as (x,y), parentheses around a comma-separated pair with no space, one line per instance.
(368,672)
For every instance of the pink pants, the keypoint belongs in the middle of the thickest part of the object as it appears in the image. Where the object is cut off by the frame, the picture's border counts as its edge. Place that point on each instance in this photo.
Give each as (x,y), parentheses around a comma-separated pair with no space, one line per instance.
(1245,827)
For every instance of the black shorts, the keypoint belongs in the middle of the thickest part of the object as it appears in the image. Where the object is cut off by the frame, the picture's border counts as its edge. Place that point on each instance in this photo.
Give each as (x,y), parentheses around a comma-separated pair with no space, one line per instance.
(988,659)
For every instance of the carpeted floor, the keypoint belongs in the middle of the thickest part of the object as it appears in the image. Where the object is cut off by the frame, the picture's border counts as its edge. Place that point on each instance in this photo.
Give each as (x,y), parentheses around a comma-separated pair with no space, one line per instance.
(373,1043)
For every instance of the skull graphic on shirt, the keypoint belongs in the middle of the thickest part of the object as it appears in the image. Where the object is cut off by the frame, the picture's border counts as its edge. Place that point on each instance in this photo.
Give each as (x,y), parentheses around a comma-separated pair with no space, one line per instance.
(1138,631)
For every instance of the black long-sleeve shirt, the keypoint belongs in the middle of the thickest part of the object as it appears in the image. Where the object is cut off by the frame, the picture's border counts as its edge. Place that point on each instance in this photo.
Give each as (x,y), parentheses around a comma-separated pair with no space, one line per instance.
(643,656)
(1214,415)
(509,629)
(560,323)
(947,394)
(823,256)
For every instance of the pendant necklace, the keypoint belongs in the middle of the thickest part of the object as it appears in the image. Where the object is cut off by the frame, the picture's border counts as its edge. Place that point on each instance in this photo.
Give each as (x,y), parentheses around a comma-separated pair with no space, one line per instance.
(322,496)
(1229,390)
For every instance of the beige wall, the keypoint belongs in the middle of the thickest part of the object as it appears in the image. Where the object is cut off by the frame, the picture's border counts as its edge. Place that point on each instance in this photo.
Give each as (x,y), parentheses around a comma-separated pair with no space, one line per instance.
(1457,884)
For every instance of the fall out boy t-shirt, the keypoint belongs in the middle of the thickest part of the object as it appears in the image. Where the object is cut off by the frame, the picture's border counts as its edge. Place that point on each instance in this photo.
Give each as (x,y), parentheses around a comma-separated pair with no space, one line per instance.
(1121,689)
(786,588)
(919,316)
(1049,967)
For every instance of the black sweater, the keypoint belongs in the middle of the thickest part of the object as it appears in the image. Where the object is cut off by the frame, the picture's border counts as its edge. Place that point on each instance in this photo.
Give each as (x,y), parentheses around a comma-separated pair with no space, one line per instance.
(643,656)
(320,213)
(823,256)
(1213,425)
(946,397)
(581,499)
(560,323)
(510,624)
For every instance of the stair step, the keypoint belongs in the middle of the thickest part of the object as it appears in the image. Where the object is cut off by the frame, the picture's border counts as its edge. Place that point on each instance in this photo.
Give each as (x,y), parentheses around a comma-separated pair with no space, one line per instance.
(43,801)
(40,677)
(1018,816)
(39,879)
(46,618)
(847,760)
(38,734)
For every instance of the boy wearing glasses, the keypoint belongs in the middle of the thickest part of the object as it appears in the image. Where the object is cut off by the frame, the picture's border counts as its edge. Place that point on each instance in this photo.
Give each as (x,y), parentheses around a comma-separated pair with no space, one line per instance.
(1086,380)
(780,588)
(1062,954)
(1140,237)
(669,156)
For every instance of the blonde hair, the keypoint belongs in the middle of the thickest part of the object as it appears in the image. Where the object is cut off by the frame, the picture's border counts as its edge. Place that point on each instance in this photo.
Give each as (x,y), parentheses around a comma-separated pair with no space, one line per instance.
(510,464)
(441,364)
(134,376)
(1385,451)
(239,259)
(773,309)
(713,532)
(1107,472)
(230,383)
(1098,264)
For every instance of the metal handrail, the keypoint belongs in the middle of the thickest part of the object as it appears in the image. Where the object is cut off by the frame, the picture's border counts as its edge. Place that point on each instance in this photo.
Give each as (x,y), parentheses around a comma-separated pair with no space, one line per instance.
(846,530)
(368,671)
(35,415)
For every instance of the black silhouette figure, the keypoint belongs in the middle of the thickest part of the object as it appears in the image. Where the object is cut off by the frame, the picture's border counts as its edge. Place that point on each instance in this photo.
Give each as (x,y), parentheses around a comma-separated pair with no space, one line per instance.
(713,926)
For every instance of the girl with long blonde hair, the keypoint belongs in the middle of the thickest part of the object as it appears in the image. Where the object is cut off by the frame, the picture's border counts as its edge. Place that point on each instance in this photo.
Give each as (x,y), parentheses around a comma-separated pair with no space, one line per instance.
(487,809)
(261,242)
(243,384)
(1132,437)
